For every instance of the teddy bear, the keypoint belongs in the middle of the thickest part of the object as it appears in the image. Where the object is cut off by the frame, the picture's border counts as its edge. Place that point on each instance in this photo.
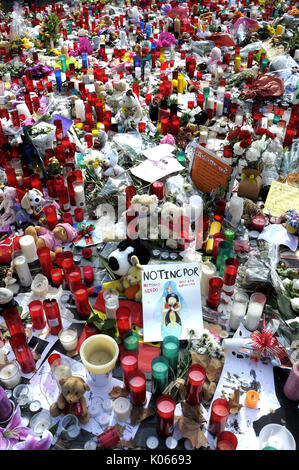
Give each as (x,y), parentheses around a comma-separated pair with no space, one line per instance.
(110,165)
(130,109)
(71,399)
(8,196)
(115,94)
(62,233)
(147,208)
(130,285)
(33,203)
(170,224)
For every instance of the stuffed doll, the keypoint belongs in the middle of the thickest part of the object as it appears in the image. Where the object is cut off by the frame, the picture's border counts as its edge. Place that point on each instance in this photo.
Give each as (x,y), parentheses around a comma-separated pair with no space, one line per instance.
(131,112)
(130,285)
(110,164)
(71,399)
(33,203)
(62,233)
(120,260)
(6,206)
(170,224)
(147,208)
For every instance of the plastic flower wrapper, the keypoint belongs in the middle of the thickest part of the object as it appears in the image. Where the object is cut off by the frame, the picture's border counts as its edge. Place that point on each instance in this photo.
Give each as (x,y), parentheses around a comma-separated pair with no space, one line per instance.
(42,136)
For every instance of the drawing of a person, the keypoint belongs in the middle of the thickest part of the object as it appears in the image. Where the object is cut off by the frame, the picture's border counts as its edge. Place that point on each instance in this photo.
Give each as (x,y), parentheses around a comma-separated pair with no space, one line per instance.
(170,306)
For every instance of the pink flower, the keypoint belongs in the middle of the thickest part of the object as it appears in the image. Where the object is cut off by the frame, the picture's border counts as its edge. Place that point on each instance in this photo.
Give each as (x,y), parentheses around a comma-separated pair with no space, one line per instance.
(14,432)
(168,139)
(34,443)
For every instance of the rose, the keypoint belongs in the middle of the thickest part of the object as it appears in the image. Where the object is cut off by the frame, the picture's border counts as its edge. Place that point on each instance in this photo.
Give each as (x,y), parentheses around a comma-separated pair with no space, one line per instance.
(244,134)
(87,253)
(245,143)
(233,135)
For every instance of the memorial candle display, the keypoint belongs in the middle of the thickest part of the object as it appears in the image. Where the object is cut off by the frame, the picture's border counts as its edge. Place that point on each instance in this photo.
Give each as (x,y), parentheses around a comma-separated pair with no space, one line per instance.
(220,410)
(165,412)
(37,314)
(129,365)
(196,377)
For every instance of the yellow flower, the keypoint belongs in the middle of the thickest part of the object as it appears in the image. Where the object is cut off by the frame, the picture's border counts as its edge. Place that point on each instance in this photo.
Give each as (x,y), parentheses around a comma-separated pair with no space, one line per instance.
(123,110)
(96,163)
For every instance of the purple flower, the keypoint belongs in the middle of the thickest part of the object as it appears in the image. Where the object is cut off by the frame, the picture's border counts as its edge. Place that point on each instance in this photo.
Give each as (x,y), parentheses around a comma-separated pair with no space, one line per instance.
(34,443)
(13,432)
(166,39)
(85,46)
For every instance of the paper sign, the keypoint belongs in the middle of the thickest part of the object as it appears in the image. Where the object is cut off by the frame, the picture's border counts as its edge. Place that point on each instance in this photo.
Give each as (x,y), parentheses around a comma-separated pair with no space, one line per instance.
(281,197)
(208,171)
(171,301)
(277,235)
(152,171)
(158,152)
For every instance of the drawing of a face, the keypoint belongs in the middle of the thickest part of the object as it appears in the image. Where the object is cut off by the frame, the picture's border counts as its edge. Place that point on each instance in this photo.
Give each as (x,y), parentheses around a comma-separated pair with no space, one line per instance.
(172,300)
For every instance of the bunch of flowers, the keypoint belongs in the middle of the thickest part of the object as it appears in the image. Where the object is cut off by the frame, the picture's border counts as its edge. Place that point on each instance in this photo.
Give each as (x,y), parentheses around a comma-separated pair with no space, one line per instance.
(165,40)
(208,344)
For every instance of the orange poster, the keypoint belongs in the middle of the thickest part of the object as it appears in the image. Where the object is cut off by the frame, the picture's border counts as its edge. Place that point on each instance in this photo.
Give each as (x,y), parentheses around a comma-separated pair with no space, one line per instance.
(208,171)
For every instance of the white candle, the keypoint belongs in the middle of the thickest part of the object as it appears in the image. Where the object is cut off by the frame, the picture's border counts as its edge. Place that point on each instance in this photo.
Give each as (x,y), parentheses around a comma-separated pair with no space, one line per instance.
(234,344)
(79,196)
(27,244)
(203,136)
(10,375)
(40,422)
(40,285)
(219,108)
(121,407)
(238,310)
(23,109)
(111,305)
(80,110)
(208,270)
(69,339)
(210,103)
(255,310)
(239,119)
(23,270)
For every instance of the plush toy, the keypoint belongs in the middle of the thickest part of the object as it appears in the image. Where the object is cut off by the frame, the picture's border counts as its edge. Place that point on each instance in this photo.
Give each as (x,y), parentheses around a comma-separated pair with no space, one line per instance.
(147,208)
(110,166)
(131,112)
(119,260)
(6,206)
(62,233)
(71,399)
(133,15)
(215,57)
(170,224)
(33,203)
(107,20)
(130,285)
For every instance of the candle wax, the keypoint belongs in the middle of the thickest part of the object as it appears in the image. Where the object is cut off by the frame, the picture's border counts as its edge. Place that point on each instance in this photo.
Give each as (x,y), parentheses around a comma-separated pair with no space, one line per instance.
(100,357)
(196,375)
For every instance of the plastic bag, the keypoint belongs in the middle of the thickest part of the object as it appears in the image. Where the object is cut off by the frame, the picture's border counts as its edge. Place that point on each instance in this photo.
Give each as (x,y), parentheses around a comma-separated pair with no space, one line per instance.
(265,87)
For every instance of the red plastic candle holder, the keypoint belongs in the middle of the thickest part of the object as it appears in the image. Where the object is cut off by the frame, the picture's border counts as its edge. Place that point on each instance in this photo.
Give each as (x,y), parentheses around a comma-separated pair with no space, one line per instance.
(13,321)
(230,274)
(67,218)
(158,189)
(108,438)
(137,386)
(45,260)
(37,314)
(141,127)
(165,412)
(227,441)
(56,276)
(51,216)
(75,280)
(218,237)
(129,365)
(196,377)
(123,317)
(79,214)
(82,302)
(88,274)
(52,312)
(219,413)
(220,207)
(214,295)
(164,126)
(22,352)
(51,189)
(67,266)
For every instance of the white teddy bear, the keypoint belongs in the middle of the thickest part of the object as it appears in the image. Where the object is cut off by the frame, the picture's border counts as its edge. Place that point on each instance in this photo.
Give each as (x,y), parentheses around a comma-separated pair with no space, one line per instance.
(147,208)
(131,111)
(110,164)
(170,226)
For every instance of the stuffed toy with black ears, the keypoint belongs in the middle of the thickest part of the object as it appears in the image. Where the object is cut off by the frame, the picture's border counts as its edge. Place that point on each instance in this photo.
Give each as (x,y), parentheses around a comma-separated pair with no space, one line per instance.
(119,260)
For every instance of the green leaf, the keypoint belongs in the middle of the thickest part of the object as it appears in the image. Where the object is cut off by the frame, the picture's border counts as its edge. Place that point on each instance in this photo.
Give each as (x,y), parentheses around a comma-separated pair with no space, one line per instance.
(54,428)
(284,306)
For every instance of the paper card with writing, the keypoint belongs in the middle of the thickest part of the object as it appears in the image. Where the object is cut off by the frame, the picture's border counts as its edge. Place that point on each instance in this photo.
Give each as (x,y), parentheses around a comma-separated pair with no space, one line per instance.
(281,197)
(208,171)
(171,301)
(152,171)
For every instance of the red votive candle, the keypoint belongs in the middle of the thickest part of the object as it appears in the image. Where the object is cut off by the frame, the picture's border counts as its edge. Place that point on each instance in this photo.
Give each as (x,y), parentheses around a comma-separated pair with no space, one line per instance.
(13,321)
(82,302)
(165,409)
(129,365)
(56,276)
(79,214)
(52,312)
(22,352)
(75,280)
(219,413)
(61,256)
(164,126)
(37,314)
(141,127)
(230,274)
(175,125)
(196,377)
(130,192)
(123,317)
(227,441)
(88,274)
(45,260)
(214,295)
(51,188)
(51,216)
(67,218)
(220,207)
(218,237)
(258,222)
(137,386)
(67,266)
(158,189)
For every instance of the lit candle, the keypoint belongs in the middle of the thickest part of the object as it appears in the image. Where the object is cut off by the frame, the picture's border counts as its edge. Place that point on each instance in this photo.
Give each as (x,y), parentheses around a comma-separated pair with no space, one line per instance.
(255,310)
(23,271)
(122,409)
(171,346)
(226,441)
(80,110)
(28,247)
(160,370)
(69,339)
(129,365)
(37,314)
(10,374)
(44,256)
(82,302)
(137,385)
(208,270)
(40,422)
(131,341)
(196,377)
(165,412)
(219,413)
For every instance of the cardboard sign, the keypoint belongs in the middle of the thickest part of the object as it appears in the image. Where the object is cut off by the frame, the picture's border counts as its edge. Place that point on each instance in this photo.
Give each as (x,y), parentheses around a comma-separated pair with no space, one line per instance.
(281,197)
(208,171)
(171,301)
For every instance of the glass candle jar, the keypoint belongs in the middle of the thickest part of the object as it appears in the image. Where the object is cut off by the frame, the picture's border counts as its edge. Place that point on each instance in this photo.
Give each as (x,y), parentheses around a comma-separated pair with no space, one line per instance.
(78,214)
(121,409)
(13,321)
(123,317)
(255,310)
(165,412)
(40,422)
(224,252)
(229,276)
(56,276)
(45,260)
(60,367)
(137,386)
(160,371)
(67,218)
(70,427)
(82,302)
(214,294)
(196,378)
(37,314)
(68,338)
(131,341)
(10,375)
(219,413)
(239,308)
(129,365)
(291,387)
(170,346)
(111,302)
(227,441)
(52,312)
(258,222)
(22,352)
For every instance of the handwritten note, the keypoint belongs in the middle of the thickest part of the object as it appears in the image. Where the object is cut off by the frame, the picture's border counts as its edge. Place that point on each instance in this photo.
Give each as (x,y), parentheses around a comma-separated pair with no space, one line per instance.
(208,171)
(281,197)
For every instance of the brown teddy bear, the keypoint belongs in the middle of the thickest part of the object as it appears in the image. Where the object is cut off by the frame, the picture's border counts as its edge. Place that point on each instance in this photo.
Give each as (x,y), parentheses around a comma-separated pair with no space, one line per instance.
(130,285)
(62,233)
(71,399)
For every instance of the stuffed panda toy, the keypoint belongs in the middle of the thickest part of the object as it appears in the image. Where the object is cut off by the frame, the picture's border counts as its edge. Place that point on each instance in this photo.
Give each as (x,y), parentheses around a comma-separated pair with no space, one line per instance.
(119,260)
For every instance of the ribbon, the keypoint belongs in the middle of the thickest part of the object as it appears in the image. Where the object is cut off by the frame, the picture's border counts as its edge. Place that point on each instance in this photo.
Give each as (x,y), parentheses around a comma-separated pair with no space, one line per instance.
(251,177)
(265,342)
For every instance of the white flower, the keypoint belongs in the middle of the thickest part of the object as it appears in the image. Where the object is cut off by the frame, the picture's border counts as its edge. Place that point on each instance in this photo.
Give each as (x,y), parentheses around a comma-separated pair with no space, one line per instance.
(295,304)
(247,128)
(269,158)
(241,165)
(275,146)
(286,282)
(260,145)
(238,150)
(296,284)
(252,154)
